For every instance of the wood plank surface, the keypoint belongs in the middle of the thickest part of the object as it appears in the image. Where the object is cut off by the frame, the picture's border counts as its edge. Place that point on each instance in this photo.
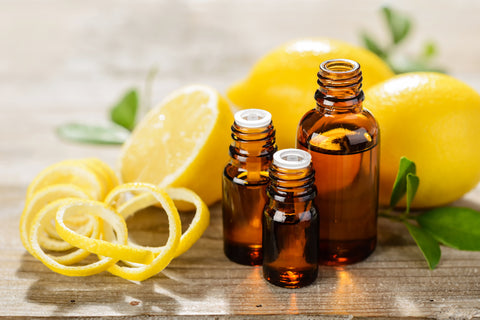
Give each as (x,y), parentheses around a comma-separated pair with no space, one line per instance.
(64,61)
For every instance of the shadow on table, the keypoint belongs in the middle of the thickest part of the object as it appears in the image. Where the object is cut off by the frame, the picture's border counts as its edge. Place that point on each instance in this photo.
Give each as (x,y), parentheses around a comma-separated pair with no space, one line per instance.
(167,293)
(97,293)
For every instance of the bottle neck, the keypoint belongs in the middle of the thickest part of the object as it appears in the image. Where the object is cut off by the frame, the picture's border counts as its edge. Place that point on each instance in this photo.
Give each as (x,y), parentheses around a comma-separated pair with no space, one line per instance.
(252,143)
(291,186)
(251,151)
(340,86)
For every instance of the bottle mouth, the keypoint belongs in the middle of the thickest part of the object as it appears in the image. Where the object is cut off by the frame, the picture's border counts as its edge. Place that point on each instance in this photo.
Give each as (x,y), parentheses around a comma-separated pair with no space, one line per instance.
(292,159)
(340,84)
(340,66)
(253,118)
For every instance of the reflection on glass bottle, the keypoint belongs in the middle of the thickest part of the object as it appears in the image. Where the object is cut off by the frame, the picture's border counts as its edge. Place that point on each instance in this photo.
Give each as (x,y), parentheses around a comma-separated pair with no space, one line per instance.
(290,223)
(245,180)
(343,139)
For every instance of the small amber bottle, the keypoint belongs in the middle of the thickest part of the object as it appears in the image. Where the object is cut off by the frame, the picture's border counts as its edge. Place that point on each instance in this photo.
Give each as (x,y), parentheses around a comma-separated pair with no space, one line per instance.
(290,222)
(343,139)
(245,180)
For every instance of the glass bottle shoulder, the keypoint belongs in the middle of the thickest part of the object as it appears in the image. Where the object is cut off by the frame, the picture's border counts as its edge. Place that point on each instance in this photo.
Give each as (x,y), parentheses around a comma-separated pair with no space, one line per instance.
(339,132)
(281,215)
(238,174)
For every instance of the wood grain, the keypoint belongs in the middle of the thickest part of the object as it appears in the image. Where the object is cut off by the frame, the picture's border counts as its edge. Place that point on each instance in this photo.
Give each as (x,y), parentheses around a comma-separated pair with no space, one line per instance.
(66,60)
(394,281)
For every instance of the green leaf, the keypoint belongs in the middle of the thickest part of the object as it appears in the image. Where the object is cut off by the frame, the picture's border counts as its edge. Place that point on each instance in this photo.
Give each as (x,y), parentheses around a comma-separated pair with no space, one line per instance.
(412,186)
(427,244)
(409,65)
(372,45)
(400,185)
(458,228)
(398,24)
(111,134)
(125,111)
(429,50)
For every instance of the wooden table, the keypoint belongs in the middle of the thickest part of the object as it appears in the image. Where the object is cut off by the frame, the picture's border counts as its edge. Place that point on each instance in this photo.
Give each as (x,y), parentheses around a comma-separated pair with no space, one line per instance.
(68,60)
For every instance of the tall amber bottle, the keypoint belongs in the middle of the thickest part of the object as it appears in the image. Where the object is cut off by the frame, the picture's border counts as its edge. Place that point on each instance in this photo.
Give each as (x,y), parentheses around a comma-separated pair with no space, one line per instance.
(343,139)
(245,180)
(290,221)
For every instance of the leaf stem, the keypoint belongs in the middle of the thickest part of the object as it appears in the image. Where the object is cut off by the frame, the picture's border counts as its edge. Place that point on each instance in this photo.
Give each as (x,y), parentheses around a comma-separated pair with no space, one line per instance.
(391,217)
(404,216)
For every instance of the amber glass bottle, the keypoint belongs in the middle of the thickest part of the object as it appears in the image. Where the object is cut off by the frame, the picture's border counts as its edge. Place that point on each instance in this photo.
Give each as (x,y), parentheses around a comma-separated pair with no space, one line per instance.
(343,139)
(245,180)
(290,221)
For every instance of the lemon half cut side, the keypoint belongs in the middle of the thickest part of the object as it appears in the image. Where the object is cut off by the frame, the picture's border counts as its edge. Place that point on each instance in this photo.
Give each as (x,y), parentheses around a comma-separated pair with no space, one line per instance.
(183,142)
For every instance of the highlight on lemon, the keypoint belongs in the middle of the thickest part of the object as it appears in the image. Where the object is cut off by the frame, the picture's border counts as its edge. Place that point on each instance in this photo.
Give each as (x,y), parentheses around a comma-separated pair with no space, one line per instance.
(432,119)
(74,221)
(177,143)
(283,82)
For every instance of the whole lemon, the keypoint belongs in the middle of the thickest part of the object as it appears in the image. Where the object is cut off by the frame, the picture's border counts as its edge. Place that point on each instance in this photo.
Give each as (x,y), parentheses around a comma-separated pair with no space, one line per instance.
(433,119)
(284,81)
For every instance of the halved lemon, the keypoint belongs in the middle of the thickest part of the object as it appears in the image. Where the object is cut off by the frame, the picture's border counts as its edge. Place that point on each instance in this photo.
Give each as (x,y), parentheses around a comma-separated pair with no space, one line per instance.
(183,142)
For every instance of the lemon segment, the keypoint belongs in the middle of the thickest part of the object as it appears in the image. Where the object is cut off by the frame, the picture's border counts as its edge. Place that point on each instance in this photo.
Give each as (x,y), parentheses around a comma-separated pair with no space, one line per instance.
(183,142)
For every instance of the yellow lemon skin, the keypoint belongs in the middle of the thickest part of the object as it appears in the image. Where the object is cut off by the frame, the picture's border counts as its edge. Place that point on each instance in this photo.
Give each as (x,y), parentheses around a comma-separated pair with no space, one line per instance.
(433,119)
(285,80)
(183,142)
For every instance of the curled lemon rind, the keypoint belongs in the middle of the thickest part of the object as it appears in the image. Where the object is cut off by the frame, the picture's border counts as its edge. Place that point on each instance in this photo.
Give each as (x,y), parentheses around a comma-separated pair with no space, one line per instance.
(85,270)
(118,250)
(167,253)
(76,208)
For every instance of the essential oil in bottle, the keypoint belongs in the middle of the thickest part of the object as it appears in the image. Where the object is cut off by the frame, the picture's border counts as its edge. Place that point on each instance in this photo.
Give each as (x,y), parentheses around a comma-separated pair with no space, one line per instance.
(290,222)
(245,180)
(343,139)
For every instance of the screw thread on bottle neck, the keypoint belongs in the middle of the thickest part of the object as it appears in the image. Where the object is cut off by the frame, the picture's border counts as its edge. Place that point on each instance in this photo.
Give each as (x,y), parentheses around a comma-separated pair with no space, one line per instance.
(291,174)
(253,134)
(253,144)
(245,135)
(340,85)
